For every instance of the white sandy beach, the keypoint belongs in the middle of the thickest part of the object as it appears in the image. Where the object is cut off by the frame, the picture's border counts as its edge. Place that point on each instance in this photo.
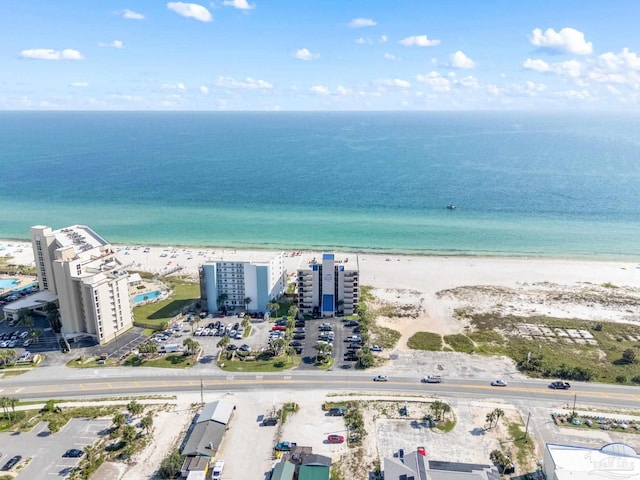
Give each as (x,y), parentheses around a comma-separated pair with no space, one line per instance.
(430,286)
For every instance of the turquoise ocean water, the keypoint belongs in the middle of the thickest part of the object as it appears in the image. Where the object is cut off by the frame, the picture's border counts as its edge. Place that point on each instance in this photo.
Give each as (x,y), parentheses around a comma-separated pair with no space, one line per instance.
(524,184)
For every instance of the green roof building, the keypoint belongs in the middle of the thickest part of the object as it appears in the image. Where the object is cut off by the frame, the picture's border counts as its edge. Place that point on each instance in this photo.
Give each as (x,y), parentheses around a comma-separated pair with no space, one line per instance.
(283,471)
(313,472)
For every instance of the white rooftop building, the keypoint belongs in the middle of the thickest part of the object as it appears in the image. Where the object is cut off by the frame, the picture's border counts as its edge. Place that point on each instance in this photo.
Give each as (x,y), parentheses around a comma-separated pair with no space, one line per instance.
(80,268)
(614,460)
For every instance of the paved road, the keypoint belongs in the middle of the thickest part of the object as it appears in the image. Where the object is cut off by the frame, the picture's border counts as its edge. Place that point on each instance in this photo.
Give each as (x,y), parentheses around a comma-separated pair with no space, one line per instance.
(89,384)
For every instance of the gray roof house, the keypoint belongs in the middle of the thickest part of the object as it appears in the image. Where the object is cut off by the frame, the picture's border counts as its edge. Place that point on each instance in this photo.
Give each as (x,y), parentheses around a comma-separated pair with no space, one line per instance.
(206,433)
(417,467)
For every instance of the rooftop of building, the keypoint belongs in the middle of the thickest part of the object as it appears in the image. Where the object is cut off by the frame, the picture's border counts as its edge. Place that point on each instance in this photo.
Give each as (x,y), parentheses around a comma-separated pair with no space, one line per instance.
(80,237)
(347,260)
(241,256)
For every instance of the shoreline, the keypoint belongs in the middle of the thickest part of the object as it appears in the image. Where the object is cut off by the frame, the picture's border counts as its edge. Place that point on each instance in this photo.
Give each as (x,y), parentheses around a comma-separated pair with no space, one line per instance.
(595,257)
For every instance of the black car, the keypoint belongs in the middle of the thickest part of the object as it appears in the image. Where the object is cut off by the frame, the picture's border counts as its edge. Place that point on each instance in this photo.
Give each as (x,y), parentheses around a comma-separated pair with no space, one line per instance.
(298,350)
(269,421)
(231,346)
(296,343)
(560,385)
(11,463)
(73,453)
(351,323)
(300,323)
(299,336)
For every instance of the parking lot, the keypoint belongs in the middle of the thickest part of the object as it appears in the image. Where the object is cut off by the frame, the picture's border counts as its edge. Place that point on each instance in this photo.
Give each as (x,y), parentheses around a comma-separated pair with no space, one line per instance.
(305,335)
(42,451)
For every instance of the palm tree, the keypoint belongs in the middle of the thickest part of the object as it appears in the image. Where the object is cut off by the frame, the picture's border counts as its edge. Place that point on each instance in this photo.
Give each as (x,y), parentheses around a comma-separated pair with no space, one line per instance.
(246,301)
(35,335)
(119,419)
(293,312)
(277,345)
(192,345)
(53,316)
(437,407)
(491,418)
(147,422)
(222,298)
(13,401)
(135,408)
(273,308)
(4,403)
(323,348)
(498,414)
(446,408)
(224,341)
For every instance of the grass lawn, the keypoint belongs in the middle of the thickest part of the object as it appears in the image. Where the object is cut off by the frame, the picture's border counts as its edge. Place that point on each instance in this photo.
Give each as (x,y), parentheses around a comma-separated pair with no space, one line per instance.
(459,343)
(91,362)
(429,341)
(383,336)
(177,360)
(156,313)
(272,365)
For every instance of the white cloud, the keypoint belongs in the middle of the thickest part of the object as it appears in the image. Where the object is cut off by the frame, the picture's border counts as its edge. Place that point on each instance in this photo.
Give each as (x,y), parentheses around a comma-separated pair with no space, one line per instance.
(305,54)
(390,56)
(570,68)
(204,89)
(360,41)
(246,84)
(177,86)
(575,94)
(613,90)
(384,39)
(535,64)
(342,90)
(79,84)
(239,4)
(435,81)
(460,60)
(320,90)
(114,44)
(493,90)
(362,22)
(567,40)
(395,82)
(131,15)
(624,60)
(419,41)
(468,82)
(190,10)
(50,54)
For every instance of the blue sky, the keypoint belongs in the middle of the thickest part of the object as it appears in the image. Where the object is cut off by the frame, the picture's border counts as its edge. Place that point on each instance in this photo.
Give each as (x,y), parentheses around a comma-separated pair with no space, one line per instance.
(320,55)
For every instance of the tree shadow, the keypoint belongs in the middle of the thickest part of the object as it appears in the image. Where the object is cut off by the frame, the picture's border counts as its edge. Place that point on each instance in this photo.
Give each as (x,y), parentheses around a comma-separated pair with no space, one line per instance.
(476,432)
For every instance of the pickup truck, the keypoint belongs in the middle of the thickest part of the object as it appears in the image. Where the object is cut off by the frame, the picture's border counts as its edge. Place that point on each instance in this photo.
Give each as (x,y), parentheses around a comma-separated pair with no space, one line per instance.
(285,446)
(432,379)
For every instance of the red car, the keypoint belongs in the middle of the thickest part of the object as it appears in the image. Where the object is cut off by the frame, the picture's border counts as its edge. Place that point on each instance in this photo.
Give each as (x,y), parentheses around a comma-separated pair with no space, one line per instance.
(280,328)
(422,451)
(335,439)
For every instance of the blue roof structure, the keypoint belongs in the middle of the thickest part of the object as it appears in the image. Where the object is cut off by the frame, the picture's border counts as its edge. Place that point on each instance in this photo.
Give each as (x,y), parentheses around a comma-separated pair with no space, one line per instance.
(327,256)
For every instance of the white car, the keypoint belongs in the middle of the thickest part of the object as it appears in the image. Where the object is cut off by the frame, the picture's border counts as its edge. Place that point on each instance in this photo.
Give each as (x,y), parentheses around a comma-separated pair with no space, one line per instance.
(498,383)
(375,348)
(24,356)
(218,466)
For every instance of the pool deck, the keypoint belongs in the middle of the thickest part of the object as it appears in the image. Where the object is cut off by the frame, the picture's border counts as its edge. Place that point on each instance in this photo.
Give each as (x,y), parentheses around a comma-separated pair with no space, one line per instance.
(23,282)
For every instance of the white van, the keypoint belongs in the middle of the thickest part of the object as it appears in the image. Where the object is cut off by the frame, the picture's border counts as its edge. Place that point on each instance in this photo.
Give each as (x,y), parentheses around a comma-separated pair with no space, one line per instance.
(432,379)
(217,470)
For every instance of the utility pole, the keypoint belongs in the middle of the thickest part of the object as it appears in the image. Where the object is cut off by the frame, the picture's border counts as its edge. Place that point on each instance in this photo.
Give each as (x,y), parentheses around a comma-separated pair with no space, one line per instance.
(526,429)
(201,392)
(575,396)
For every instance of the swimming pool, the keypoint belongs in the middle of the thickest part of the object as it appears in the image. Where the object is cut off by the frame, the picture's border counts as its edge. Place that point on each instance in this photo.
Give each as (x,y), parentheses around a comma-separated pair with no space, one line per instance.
(8,283)
(143,297)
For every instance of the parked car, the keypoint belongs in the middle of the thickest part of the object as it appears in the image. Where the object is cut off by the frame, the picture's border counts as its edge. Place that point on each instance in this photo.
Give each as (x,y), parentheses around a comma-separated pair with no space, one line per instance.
(218,466)
(375,348)
(231,347)
(380,378)
(559,385)
(11,463)
(422,451)
(25,356)
(269,421)
(245,348)
(73,453)
(498,383)
(337,411)
(296,343)
(335,439)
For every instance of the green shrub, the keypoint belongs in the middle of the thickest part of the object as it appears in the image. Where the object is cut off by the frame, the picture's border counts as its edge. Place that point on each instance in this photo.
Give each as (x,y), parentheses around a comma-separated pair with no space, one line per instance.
(425,341)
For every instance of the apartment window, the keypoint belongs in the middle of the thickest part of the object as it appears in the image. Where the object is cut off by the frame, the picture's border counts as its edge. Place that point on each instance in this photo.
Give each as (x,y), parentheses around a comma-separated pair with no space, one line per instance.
(78,269)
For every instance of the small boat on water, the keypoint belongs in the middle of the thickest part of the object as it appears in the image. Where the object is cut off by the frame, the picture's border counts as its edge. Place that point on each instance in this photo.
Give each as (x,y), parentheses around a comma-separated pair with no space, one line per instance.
(451,207)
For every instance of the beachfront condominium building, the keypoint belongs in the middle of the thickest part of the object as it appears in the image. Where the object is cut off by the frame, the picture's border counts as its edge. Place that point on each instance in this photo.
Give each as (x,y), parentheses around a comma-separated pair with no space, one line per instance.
(230,284)
(329,287)
(91,285)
